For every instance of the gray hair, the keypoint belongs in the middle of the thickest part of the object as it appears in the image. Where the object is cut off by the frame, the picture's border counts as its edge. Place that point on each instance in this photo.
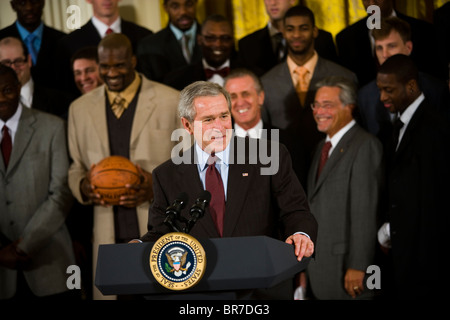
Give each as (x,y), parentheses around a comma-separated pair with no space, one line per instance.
(242,72)
(348,89)
(186,107)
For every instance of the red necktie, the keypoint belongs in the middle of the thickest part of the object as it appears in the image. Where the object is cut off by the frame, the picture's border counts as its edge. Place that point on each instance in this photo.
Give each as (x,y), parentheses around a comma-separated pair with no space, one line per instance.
(221,72)
(109,31)
(323,157)
(6,145)
(214,185)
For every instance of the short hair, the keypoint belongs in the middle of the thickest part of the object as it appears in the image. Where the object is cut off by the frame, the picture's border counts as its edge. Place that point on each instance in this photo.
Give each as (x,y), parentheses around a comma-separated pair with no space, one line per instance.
(348,93)
(186,107)
(242,72)
(89,53)
(9,40)
(389,24)
(4,70)
(116,41)
(402,66)
(301,11)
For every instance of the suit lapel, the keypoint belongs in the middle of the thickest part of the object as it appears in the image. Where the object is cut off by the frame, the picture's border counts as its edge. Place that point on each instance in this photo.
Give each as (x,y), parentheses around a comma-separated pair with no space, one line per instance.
(144,109)
(98,115)
(22,138)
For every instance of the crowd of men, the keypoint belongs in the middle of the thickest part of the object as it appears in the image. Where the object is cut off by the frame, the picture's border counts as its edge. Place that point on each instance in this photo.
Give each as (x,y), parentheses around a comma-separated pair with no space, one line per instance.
(362,123)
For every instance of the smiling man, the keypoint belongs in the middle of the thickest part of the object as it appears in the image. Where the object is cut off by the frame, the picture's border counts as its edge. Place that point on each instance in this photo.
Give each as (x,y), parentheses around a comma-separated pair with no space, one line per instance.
(290,86)
(343,191)
(128,116)
(85,69)
(204,109)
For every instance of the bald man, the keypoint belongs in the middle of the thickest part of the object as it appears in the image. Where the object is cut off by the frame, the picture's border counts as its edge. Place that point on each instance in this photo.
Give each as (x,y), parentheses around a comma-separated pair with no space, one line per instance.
(141,132)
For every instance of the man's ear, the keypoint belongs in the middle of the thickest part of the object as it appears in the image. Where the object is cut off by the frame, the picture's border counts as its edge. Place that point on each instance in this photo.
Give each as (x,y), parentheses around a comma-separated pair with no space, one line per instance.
(189,127)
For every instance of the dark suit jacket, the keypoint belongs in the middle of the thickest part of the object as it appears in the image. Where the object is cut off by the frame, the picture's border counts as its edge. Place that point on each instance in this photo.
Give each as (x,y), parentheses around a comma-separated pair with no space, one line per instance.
(51,101)
(256,52)
(87,36)
(186,75)
(161,53)
(418,189)
(355,51)
(375,118)
(282,108)
(43,71)
(270,205)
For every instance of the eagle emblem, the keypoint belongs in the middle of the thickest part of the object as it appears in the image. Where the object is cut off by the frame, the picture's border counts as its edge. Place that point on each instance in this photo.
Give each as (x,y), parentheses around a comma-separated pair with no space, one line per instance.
(176,258)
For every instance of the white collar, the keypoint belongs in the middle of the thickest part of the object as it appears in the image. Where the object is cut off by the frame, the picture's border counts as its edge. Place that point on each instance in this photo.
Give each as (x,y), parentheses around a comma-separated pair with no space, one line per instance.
(254,132)
(102,27)
(202,156)
(26,93)
(13,122)
(338,135)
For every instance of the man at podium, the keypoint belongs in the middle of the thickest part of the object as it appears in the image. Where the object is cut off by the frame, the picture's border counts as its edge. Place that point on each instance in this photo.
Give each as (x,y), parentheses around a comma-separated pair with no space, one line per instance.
(254,190)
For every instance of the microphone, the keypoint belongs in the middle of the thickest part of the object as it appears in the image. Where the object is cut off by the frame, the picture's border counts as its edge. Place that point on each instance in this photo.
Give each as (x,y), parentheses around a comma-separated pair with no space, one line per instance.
(173,211)
(198,209)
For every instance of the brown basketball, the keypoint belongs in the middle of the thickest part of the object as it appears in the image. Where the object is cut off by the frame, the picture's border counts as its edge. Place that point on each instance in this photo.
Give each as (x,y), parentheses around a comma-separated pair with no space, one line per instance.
(111,175)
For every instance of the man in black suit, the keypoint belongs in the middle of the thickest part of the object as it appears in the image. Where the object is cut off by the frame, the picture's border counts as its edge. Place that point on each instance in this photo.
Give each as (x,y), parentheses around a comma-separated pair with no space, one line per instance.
(253,199)
(261,50)
(14,54)
(219,57)
(356,47)
(174,46)
(39,38)
(394,37)
(417,184)
(105,20)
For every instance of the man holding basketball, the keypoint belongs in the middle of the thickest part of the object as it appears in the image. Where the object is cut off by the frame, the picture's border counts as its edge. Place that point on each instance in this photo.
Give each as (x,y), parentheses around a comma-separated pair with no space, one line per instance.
(128,116)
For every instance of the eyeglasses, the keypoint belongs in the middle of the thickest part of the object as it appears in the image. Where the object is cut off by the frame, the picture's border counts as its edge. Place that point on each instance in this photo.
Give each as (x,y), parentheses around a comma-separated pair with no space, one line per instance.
(326,105)
(19,62)
(212,39)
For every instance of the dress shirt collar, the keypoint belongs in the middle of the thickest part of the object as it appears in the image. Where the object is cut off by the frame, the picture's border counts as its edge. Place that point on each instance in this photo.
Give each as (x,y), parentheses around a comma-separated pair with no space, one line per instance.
(338,135)
(26,93)
(129,93)
(272,30)
(12,123)
(202,157)
(254,132)
(407,115)
(24,33)
(310,65)
(192,33)
(101,27)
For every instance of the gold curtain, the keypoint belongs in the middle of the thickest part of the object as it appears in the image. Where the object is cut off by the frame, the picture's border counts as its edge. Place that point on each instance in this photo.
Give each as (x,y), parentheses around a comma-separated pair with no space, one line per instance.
(331,15)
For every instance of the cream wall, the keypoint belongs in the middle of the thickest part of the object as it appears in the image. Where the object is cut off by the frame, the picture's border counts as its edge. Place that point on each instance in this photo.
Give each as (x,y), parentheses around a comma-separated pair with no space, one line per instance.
(143,12)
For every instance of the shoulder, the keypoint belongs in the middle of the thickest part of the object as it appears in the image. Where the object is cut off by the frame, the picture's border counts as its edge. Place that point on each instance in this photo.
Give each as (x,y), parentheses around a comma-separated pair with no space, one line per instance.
(44,120)
(254,36)
(53,33)
(161,89)
(349,32)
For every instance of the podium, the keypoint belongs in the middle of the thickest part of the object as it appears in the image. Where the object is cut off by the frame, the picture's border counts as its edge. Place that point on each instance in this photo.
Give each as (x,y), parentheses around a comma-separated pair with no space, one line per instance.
(232,264)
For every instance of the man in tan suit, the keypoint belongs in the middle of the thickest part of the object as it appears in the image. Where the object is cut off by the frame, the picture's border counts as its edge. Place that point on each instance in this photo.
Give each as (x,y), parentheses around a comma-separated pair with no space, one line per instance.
(129,116)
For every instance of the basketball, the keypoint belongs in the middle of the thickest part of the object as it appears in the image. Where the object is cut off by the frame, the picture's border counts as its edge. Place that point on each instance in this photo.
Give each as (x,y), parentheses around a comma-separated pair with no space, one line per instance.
(111,175)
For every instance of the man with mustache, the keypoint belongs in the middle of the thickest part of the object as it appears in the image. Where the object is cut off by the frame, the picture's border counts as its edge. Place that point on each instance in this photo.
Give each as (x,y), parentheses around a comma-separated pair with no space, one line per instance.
(174,46)
(129,116)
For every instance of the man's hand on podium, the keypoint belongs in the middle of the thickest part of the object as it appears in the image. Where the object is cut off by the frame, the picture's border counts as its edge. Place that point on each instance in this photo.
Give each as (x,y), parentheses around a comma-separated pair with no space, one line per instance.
(304,247)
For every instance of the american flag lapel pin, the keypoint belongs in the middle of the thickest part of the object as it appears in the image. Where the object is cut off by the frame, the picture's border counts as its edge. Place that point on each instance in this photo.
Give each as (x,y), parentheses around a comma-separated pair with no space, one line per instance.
(245,174)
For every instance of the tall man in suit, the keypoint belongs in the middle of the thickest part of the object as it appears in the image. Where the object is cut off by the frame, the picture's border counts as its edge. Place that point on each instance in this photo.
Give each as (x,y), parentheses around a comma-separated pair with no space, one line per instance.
(357,52)
(394,37)
(343,190)
(289,86)
(174,46)
(141,131)
(219,56)
(106,19)
(261,50)
(35,246)
(416,215)
(247,200)
(33,94)
(39,38)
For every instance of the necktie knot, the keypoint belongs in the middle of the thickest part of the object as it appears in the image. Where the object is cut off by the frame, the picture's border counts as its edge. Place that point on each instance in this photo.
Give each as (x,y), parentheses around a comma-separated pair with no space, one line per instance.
(118,106)
(302,83)
(221,72)
(109,31)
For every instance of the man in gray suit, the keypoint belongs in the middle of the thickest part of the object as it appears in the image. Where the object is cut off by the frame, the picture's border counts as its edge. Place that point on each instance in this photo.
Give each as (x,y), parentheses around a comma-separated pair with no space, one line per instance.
(343,191)
(289,86)
(35,246)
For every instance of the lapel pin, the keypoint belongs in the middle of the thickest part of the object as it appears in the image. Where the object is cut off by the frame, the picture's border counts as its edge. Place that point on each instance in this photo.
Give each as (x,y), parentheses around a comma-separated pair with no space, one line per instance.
(245,174)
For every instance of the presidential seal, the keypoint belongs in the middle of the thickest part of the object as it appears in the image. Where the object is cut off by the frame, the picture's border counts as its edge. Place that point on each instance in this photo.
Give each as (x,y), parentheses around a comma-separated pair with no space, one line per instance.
(177,261)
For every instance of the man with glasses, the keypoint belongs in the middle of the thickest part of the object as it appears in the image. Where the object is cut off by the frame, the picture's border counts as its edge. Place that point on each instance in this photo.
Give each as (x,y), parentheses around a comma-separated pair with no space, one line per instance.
(219,56)
(39,38)
(14,54)
(174,46)
(343,191)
